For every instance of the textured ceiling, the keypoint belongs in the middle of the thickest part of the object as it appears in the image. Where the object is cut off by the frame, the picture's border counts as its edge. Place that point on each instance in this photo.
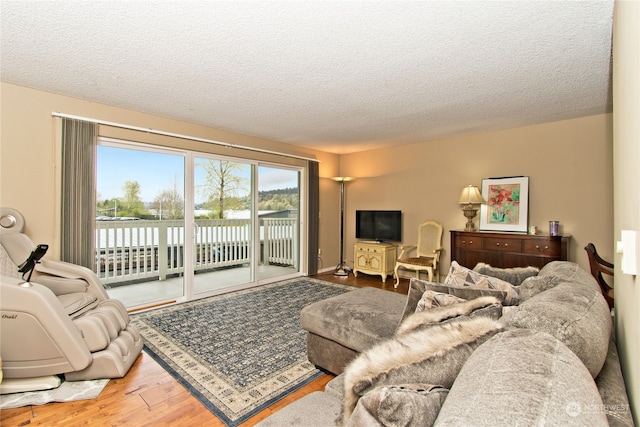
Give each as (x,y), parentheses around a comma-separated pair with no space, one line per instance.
(339,76)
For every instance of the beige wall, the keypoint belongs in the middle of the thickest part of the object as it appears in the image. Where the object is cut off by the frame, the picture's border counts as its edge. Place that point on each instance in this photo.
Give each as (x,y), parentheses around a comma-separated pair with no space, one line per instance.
(29,156)
(626,157)
(569,164)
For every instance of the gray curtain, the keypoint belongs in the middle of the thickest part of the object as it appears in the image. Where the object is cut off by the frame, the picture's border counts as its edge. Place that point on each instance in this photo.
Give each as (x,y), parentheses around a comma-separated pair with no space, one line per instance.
(314,211)
(79,140)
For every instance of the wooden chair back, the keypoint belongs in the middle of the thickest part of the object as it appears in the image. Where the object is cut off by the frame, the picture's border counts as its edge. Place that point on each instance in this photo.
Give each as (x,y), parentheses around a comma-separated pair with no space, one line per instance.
(429,239)
(599,267)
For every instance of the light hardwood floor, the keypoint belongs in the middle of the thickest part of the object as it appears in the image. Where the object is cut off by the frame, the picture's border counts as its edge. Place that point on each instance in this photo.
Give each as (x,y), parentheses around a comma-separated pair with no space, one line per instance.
(149,396)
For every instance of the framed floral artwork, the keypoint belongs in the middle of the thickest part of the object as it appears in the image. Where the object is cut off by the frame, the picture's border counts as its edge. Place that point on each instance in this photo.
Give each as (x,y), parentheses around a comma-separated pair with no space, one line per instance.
(507,207)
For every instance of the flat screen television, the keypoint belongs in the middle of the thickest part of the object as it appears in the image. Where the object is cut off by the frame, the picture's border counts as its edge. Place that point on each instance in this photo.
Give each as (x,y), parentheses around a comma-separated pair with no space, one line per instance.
(379,225)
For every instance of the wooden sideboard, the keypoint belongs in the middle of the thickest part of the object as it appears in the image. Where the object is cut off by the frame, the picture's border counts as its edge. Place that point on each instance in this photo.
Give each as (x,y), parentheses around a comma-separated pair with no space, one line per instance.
(504,250)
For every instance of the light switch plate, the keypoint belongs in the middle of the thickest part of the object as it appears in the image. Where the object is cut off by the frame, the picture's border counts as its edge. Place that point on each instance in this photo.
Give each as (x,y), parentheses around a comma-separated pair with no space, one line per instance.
(628,247)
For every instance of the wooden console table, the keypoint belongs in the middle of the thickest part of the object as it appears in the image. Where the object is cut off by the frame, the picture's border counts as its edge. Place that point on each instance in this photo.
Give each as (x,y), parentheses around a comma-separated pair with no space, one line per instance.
(374,258)
(505,250)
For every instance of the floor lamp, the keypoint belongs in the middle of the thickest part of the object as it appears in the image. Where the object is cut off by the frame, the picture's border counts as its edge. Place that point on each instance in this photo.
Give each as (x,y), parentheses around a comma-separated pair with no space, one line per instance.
(341,270)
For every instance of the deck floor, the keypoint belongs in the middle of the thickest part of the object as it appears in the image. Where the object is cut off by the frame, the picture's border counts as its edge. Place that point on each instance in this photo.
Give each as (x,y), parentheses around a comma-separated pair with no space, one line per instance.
(156,291)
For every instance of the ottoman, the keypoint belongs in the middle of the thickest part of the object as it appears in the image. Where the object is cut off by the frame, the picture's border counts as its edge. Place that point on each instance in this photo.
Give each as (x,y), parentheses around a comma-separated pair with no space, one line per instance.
(341,327)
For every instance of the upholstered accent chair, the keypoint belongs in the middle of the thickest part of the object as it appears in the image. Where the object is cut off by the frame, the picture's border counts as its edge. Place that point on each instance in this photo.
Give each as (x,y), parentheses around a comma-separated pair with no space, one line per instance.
(427,252)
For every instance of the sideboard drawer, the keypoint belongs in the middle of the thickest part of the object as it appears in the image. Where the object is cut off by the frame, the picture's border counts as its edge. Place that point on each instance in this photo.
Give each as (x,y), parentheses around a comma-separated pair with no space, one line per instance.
(502,245)
(469,242)
(547,248)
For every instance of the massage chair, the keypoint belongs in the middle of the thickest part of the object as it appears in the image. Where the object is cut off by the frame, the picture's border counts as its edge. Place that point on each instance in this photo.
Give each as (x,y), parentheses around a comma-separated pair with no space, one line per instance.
(56,318)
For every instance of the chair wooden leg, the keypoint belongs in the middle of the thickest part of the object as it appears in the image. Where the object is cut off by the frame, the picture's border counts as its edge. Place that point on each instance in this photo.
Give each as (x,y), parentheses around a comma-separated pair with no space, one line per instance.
(429,272)
(395,274)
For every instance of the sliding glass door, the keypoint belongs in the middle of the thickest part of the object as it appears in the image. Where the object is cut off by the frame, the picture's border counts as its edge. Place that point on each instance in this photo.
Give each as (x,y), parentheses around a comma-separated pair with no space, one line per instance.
(278,221)
(176,225)
(140,223)
(223,224)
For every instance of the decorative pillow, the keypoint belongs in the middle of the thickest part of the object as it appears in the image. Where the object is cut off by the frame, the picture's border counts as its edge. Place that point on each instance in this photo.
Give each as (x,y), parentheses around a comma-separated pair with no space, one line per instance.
(482,306)
(532,286)
(514,275)
(417,288)
(430,356)
(399,405)
(432,299)
(463,277)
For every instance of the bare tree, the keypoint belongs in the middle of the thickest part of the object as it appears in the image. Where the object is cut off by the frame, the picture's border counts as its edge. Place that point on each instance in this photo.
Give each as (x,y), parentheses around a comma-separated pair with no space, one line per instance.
(223,185)
(170,203)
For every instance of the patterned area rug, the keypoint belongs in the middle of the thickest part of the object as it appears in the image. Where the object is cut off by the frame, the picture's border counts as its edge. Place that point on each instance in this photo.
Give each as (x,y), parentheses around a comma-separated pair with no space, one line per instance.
(240,352)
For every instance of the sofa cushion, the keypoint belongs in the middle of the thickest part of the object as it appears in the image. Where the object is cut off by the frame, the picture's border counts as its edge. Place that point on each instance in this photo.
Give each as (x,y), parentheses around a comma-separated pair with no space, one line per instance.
(327,354)
(513,275)
(430,356)
(356,319)
(401,405)
(532,286)
(316,409)
(574,313)
(570,272)
(461,278)
(523,377)
(335,387)
(610,384)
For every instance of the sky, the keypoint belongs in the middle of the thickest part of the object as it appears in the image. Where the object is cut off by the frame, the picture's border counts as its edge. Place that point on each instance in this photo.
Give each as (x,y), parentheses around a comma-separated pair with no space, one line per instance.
(156,172)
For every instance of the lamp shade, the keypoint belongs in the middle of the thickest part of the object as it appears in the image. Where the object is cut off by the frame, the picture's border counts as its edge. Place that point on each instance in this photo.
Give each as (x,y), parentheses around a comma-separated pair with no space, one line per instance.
(471,196)
(342,178)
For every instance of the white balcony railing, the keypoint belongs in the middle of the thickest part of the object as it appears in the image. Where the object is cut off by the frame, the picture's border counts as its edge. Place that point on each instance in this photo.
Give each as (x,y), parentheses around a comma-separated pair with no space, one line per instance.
(136,250)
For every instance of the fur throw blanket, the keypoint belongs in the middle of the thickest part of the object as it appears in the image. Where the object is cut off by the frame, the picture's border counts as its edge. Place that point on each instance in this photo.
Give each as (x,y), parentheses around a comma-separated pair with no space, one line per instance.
(413,344)
(513,275)
(437,315)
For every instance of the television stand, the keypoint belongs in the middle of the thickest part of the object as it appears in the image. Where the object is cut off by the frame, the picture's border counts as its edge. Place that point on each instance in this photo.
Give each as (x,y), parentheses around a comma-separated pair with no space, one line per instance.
(377,258)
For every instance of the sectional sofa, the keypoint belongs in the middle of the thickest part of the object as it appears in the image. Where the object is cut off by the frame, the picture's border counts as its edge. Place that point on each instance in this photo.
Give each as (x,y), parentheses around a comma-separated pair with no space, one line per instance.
(538,350)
